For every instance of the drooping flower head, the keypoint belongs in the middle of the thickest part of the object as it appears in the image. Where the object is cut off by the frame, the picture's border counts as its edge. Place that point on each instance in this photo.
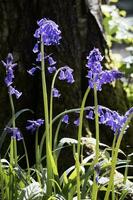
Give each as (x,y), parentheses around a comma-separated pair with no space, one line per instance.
(65,119)
(56,93)
(76,122)
(12,91)
(109,118)
(9,65)
(14,132)
(33,70)
(96,75)
(66,74)
(34,124)
(49,31)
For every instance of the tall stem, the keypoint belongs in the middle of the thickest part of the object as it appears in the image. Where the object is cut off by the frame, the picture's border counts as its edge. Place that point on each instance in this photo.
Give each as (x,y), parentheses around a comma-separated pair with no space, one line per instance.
(95,186)
(114,159)
(46,116)
(13,110)
(81,119)
(27,159)
(79,141)
(51,103)
(13,153)
(77,165)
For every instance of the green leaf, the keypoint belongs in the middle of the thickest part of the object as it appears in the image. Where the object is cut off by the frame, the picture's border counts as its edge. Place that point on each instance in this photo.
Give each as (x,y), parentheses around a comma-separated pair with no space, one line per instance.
(124,194)
(54,167)
(32,192)
(3,135)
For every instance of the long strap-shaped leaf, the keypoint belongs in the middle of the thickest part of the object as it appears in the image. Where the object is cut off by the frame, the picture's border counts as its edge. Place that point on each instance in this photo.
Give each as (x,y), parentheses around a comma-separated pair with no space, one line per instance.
(3,135)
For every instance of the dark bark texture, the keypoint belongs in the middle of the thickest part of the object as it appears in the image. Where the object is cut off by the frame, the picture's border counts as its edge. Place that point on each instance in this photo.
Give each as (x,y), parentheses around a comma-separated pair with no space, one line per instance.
(81,25)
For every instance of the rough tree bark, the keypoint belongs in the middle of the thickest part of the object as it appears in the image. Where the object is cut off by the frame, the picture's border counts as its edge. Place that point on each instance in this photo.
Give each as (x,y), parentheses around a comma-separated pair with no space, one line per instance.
(80,23)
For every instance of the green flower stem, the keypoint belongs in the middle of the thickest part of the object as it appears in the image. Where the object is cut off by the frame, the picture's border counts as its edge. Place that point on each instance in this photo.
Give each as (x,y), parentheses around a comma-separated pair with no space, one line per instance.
(95,186)
(113,148)
(113,191)
(42,143)
(56,118)
(114,143)
(13,154)
(14,125)
(114,159)
(79,138)
(37,155)
(11,178)
(55,141)
(37,150)
(27,160)
(51,103)
(69,111)
(77,163)
(72,110)
(81,119)
(126,171)
(13,111)
(46,116)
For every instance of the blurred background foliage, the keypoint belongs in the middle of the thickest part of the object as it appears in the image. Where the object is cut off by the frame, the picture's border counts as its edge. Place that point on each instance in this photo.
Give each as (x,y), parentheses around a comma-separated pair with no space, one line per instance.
(118,26)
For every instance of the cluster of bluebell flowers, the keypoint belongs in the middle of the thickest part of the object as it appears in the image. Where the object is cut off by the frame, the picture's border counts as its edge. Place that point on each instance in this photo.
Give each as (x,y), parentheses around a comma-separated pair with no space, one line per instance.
(96,75)
(106,116)
(9,66)
(65,74)
(109,118)
(48,32)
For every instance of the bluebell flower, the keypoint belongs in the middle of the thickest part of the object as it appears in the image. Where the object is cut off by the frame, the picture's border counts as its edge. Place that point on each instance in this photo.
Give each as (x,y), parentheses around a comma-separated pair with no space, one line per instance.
(56,93)
(14,132)
(90,115)
(49,31)
(76,122)
(66,74)
(52,63)
(39,57)
(96,75)
(33,70)
(36,48)
(62,75)
(34,124)
(9,62)
(9,65)
(12,91)
(51,69)
(65,119)
(9,77)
